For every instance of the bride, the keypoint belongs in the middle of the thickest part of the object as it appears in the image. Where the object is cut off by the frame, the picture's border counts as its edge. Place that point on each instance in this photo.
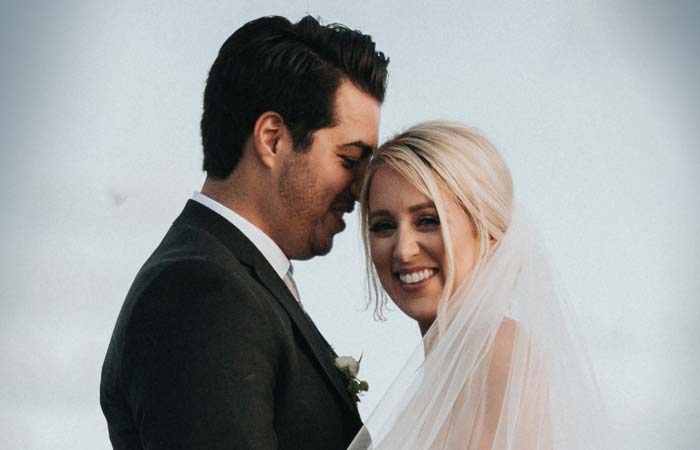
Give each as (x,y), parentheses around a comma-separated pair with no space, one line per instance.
(499,366)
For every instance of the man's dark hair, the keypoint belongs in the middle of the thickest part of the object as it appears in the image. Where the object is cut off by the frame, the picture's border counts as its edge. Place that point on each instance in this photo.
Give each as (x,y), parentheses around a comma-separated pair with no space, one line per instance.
(271,64)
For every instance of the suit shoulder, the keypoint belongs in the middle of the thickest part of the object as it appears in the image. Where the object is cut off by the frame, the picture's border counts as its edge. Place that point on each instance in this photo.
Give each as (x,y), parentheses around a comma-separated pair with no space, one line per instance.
(192,295)
(190,263)
(197,287)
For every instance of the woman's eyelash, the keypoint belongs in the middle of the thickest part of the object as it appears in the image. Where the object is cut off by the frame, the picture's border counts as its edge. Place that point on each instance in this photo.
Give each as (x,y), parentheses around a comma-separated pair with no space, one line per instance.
(422,221)
(380,226)
(429,220)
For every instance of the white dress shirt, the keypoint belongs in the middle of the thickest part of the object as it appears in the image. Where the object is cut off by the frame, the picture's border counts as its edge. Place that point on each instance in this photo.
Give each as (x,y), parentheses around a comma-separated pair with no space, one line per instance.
(269,249)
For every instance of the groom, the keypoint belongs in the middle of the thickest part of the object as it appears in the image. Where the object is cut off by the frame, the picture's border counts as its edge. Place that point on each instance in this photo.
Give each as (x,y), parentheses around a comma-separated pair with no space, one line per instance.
(212,348)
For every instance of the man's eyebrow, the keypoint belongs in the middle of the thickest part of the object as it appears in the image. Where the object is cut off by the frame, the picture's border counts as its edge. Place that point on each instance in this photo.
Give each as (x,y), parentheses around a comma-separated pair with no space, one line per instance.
(365,147)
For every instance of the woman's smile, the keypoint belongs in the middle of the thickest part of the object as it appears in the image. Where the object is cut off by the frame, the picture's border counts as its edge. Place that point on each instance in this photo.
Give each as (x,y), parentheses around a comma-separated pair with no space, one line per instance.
(415,278)
(407,247)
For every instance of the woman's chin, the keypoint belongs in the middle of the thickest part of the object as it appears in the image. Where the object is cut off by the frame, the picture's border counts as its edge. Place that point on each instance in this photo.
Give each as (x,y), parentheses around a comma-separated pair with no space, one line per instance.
(422,314)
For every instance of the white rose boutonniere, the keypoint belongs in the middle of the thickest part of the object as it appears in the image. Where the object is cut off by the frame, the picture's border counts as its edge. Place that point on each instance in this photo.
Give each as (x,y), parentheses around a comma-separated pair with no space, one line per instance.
(349,367)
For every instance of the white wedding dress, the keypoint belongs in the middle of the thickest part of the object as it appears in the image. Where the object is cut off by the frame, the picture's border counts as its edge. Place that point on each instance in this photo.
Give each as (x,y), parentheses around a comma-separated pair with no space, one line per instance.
(501,368)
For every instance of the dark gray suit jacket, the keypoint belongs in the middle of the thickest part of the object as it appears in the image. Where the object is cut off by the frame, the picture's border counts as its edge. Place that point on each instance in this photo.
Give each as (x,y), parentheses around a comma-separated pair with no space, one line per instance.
(211,351)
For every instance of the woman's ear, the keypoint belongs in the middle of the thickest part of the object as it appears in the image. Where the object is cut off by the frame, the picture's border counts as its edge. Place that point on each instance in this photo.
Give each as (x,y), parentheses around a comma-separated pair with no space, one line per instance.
(271,138)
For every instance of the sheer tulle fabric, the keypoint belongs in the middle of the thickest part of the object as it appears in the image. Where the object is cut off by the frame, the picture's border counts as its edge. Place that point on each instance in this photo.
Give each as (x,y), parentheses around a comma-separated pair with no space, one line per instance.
(501,368)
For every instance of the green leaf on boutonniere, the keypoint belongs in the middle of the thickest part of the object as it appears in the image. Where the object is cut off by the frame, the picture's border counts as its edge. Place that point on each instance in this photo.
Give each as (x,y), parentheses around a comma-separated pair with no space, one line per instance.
(349,367)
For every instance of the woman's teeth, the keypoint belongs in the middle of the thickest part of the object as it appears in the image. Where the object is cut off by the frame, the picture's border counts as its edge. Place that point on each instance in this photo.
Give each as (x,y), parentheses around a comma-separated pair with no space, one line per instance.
(416,277)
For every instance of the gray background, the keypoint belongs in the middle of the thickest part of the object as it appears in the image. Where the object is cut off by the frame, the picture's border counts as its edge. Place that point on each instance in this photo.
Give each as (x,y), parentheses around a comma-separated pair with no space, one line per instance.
(594,105)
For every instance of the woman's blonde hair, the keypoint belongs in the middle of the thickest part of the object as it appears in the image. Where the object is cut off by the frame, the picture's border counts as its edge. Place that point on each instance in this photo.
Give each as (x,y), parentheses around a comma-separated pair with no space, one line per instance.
(448,157)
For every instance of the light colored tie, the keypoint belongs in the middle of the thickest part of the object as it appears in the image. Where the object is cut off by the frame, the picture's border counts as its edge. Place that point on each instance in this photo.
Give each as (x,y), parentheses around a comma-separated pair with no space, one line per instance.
(289,281)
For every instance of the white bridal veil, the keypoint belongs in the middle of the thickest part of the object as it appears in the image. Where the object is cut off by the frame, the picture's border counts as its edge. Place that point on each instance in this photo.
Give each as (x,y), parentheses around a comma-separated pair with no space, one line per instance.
(501,368)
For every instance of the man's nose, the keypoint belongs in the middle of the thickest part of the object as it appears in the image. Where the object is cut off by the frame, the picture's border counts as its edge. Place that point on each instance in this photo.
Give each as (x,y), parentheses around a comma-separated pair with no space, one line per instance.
(357,179)
(354,189)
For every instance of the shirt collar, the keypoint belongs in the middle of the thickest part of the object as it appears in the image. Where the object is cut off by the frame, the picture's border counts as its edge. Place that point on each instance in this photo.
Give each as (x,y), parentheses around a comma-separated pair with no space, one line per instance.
(269,249)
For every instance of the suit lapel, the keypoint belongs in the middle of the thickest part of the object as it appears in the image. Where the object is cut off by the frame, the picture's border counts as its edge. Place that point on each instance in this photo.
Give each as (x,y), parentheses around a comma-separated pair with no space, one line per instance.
(319,346)
(244,250)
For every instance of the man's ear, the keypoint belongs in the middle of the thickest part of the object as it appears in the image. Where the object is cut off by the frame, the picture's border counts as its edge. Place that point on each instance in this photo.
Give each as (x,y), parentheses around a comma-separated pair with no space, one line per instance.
(270,138)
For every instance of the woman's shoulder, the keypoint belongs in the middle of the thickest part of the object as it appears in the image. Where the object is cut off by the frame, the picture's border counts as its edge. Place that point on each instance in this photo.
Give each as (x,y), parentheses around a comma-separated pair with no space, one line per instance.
(505,335)
(503,347)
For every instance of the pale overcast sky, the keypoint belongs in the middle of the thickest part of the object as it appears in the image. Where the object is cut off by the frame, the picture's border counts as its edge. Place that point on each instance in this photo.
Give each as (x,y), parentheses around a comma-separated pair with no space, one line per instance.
(593,104)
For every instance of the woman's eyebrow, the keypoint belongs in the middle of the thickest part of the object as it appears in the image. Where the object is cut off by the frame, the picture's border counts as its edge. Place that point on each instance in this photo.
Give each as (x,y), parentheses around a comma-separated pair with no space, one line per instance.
(378,212)
(412,209)
(428,204)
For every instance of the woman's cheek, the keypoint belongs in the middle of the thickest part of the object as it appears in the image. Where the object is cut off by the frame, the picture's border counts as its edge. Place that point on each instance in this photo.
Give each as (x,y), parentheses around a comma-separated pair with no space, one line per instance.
(381,258)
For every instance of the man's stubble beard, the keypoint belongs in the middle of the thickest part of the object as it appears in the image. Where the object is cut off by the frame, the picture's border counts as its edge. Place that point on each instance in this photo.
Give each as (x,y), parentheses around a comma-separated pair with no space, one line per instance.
(304,208)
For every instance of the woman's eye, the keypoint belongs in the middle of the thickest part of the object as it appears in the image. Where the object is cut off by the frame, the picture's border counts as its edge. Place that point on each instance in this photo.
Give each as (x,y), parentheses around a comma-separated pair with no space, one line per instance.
(428,221)
(381,228)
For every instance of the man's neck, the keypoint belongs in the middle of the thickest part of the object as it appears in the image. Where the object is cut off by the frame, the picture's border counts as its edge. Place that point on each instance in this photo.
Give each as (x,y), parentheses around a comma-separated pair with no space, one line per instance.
(241,201)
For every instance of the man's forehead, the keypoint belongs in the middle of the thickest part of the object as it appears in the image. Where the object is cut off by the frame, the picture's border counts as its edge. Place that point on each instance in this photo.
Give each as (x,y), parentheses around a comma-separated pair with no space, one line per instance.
(357,112)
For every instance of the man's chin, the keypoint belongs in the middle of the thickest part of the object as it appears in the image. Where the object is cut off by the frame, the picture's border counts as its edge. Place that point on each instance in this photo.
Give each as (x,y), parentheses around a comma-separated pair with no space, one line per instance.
(322,247)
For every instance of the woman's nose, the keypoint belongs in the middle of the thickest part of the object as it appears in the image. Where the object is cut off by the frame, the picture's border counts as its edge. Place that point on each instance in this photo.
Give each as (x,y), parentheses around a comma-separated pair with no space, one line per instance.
(406,246)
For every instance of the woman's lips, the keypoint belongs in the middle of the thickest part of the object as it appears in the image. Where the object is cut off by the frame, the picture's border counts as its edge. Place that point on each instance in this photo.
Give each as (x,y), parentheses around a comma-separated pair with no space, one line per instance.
(415,278)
